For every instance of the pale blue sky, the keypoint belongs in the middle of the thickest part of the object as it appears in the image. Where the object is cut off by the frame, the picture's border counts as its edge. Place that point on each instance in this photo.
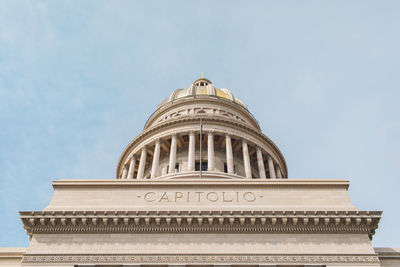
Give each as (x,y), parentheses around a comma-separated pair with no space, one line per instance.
(78,80)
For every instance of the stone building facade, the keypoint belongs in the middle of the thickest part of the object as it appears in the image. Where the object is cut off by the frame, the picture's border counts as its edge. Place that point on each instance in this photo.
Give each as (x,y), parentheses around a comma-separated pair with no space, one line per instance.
(201,185)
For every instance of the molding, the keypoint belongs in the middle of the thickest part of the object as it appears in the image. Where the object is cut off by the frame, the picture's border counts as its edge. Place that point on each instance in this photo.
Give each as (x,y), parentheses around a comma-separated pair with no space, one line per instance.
(173,180)
(201,221)
(201,258)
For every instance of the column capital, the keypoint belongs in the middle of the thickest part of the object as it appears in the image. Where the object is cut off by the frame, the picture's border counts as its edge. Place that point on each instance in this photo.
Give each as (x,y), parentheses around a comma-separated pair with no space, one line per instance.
(210,132)
(228,134)
(158,140)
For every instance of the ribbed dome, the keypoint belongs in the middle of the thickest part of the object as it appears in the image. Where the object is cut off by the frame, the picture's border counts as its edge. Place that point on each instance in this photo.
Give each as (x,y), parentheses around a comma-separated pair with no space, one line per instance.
(203,86)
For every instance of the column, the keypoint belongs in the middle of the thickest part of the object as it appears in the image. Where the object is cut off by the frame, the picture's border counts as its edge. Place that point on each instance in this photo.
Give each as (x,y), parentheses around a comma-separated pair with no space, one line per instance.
(246,159)
(210,151)
(132,167)
(164,170)
(192,146)
(260,163)
(156,159)
(142,163)
(124,172)
(278,172)
(271,168)
(172,154)
(229,153)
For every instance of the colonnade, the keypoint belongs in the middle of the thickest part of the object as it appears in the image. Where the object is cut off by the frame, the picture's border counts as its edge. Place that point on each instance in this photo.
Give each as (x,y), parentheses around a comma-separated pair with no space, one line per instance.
(128,169)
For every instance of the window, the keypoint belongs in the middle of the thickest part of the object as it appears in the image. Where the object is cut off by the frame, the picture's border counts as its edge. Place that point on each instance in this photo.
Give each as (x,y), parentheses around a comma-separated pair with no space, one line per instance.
(226,168)
(202,83)
(204,166)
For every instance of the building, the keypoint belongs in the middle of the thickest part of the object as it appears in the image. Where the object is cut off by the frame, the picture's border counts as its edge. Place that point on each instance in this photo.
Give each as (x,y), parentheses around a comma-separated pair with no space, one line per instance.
(201,185)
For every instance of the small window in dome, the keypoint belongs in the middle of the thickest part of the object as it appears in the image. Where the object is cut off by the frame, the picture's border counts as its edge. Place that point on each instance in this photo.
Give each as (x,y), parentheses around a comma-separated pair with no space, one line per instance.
(204,166)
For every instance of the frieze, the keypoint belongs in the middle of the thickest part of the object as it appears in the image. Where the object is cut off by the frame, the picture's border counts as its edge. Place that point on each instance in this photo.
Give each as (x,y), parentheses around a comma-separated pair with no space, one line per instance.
(200,258)
(200,110)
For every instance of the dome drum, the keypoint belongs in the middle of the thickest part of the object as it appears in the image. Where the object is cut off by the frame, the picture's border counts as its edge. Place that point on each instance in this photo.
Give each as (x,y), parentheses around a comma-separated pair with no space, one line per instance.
(214,137)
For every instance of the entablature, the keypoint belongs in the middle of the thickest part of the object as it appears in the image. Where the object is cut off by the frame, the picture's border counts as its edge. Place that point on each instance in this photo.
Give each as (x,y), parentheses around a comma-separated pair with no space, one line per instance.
(201,221)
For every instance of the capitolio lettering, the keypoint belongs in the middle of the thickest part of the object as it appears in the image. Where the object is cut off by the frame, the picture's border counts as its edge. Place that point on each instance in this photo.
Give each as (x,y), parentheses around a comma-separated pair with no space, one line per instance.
(178,195)
(249,196)
(150,196)
(212,196)
(164,197)
(200,196)
(226,199)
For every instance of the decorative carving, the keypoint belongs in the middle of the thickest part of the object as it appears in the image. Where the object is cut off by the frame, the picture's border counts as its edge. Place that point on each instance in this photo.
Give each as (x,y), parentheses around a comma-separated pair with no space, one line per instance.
(200,258)
(200,110)
(184,221)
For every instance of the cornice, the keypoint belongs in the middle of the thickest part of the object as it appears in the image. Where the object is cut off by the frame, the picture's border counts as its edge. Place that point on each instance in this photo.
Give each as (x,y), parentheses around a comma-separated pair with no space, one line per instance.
(157,258)
(229,123)
(176,182)
(201,221)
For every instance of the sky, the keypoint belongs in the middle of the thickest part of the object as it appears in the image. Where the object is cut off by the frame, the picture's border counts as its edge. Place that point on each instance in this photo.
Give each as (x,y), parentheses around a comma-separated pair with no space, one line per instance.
(78,80)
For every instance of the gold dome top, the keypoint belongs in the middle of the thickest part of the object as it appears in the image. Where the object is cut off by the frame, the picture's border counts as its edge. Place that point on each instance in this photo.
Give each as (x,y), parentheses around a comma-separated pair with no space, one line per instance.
(203,86)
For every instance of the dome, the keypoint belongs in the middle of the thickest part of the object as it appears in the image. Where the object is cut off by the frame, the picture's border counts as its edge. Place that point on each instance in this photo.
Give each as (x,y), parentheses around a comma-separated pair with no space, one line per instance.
(203,87)
(201,131)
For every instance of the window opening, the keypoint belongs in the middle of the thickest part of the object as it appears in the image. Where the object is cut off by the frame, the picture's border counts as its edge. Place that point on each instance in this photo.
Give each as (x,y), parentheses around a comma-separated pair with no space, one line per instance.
(204,166)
